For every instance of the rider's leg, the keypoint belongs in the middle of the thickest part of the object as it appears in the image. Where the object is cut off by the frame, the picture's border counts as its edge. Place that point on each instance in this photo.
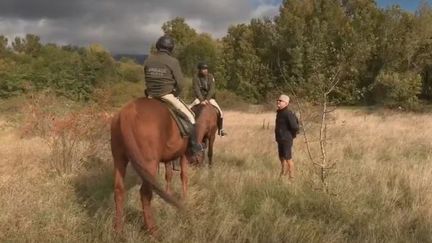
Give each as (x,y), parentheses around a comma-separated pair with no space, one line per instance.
(215,104)
(195,102)
(182,107)
(220,119)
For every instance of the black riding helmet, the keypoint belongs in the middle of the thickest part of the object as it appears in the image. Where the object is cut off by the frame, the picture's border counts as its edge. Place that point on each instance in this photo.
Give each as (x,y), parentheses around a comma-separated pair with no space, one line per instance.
(165,43)
(202,65)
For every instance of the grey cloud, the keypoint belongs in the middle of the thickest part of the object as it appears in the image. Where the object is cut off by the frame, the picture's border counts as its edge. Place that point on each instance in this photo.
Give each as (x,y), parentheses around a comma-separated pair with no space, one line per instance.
(128,26)
(36,9)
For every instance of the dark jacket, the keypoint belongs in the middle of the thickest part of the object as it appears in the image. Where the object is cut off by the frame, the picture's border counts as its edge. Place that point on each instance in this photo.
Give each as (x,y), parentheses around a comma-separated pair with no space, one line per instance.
(287,126)
(204,87)
(162,75)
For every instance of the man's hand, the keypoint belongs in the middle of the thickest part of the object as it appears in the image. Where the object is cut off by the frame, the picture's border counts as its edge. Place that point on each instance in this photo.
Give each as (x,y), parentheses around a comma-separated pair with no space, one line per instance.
(204,102)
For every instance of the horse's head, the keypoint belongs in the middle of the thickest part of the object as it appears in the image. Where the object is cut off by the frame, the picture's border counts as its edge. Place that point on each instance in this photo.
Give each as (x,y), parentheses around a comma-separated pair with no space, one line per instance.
(197,109)
(196,160)
(205,110)
(206,127)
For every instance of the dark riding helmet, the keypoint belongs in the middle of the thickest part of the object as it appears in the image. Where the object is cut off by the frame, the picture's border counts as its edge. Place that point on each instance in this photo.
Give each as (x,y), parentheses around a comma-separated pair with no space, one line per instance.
(202,65)
(165,43)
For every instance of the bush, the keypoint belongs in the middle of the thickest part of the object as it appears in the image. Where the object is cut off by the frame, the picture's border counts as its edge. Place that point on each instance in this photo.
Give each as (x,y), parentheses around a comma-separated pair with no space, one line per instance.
(123,92)
(74,135)
(397,89)
(78,138)
(130,71)
(229,100)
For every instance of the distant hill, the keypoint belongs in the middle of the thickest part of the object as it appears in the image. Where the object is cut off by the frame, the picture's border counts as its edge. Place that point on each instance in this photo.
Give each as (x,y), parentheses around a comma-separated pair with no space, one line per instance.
(139,58)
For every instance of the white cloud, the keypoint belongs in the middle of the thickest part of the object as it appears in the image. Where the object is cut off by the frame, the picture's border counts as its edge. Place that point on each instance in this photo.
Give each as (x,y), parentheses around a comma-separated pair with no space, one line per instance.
(265,10)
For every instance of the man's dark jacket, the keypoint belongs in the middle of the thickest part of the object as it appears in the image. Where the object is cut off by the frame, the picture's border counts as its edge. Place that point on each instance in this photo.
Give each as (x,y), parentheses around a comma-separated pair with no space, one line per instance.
(162,75)
(286,125)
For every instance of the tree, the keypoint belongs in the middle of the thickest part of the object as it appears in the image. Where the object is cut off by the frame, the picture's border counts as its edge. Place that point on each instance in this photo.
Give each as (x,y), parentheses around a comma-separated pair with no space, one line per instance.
(30,45)
(422,37)
(100,61)
(3,45)
(201,48)
(245,72)
(180,31)
(316,43)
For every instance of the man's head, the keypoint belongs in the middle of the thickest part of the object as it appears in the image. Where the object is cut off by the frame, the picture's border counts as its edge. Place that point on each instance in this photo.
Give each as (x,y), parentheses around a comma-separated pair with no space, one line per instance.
(202,68)
(165,43)
(282,101)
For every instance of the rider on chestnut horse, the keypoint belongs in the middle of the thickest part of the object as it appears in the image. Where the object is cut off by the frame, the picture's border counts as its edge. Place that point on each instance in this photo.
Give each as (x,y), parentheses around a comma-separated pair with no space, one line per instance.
(204,89)
(163,78)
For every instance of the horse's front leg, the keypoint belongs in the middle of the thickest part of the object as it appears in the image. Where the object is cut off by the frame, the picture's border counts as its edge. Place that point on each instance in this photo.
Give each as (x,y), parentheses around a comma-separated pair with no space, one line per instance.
(210,149)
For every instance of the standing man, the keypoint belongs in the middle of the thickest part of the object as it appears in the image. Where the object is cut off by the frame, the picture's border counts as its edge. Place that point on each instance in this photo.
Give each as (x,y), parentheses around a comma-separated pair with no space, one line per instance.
(164,80)
(204,89)
(285,131)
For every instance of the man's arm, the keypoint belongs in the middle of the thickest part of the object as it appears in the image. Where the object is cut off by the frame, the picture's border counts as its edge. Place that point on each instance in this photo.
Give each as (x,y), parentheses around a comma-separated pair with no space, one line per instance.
(293,122)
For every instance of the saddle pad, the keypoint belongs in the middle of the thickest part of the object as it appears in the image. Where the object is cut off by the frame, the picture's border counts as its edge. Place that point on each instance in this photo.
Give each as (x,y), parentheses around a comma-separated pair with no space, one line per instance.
(182,122)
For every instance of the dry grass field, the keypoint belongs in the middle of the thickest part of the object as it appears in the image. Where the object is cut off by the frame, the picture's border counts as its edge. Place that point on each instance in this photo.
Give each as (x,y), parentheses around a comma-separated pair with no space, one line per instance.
(57,187)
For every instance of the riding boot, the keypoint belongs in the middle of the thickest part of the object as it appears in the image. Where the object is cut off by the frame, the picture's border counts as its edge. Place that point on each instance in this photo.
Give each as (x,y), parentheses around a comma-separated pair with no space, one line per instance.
(194,146)
(221,131)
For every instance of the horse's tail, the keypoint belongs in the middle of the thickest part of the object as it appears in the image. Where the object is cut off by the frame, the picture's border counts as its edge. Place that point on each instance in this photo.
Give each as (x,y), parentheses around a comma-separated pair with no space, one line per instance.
(135,155)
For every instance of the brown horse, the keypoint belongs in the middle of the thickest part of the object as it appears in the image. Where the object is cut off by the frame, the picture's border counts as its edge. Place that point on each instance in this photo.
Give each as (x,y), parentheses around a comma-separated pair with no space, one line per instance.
(144,133)
(206,117)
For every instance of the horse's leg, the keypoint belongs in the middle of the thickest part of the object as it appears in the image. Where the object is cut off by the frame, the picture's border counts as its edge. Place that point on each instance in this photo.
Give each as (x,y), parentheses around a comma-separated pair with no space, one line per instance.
(120,163)
(183,175)
(210,149)
(146,197)
(168,177)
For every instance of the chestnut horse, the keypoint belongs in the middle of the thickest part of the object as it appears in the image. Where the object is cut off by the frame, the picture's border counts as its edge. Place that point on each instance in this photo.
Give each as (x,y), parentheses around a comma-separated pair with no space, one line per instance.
(144,133)
(206,119)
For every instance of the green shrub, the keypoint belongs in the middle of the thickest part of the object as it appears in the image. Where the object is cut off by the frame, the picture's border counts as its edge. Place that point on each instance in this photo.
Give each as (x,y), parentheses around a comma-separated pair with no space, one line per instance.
(123,92)
(130,71)
(229,100)
(397,89)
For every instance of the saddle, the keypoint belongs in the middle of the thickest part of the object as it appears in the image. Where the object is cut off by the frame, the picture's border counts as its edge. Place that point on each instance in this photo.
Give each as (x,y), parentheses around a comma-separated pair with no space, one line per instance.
(182,122)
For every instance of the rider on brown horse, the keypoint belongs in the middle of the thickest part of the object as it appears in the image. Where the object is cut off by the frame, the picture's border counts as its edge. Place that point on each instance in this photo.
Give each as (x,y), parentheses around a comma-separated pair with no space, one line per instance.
(204,89)
(163,78)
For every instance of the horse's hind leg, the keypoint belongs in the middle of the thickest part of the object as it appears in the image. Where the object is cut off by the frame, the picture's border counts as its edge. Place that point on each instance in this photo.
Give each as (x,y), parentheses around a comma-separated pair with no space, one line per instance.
(168,176)
(184,175)
(146,197)
(120,163)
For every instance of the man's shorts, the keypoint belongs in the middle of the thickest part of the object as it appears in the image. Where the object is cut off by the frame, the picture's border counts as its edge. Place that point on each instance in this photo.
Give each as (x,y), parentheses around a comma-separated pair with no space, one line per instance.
(284,149)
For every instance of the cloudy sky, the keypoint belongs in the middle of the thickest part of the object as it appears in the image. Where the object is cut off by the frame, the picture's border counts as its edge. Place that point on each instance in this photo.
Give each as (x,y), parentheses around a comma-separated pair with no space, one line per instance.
(128,26)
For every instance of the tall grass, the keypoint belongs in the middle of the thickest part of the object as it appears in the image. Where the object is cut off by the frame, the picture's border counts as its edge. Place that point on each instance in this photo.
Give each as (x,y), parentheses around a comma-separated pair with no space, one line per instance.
(380,190)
